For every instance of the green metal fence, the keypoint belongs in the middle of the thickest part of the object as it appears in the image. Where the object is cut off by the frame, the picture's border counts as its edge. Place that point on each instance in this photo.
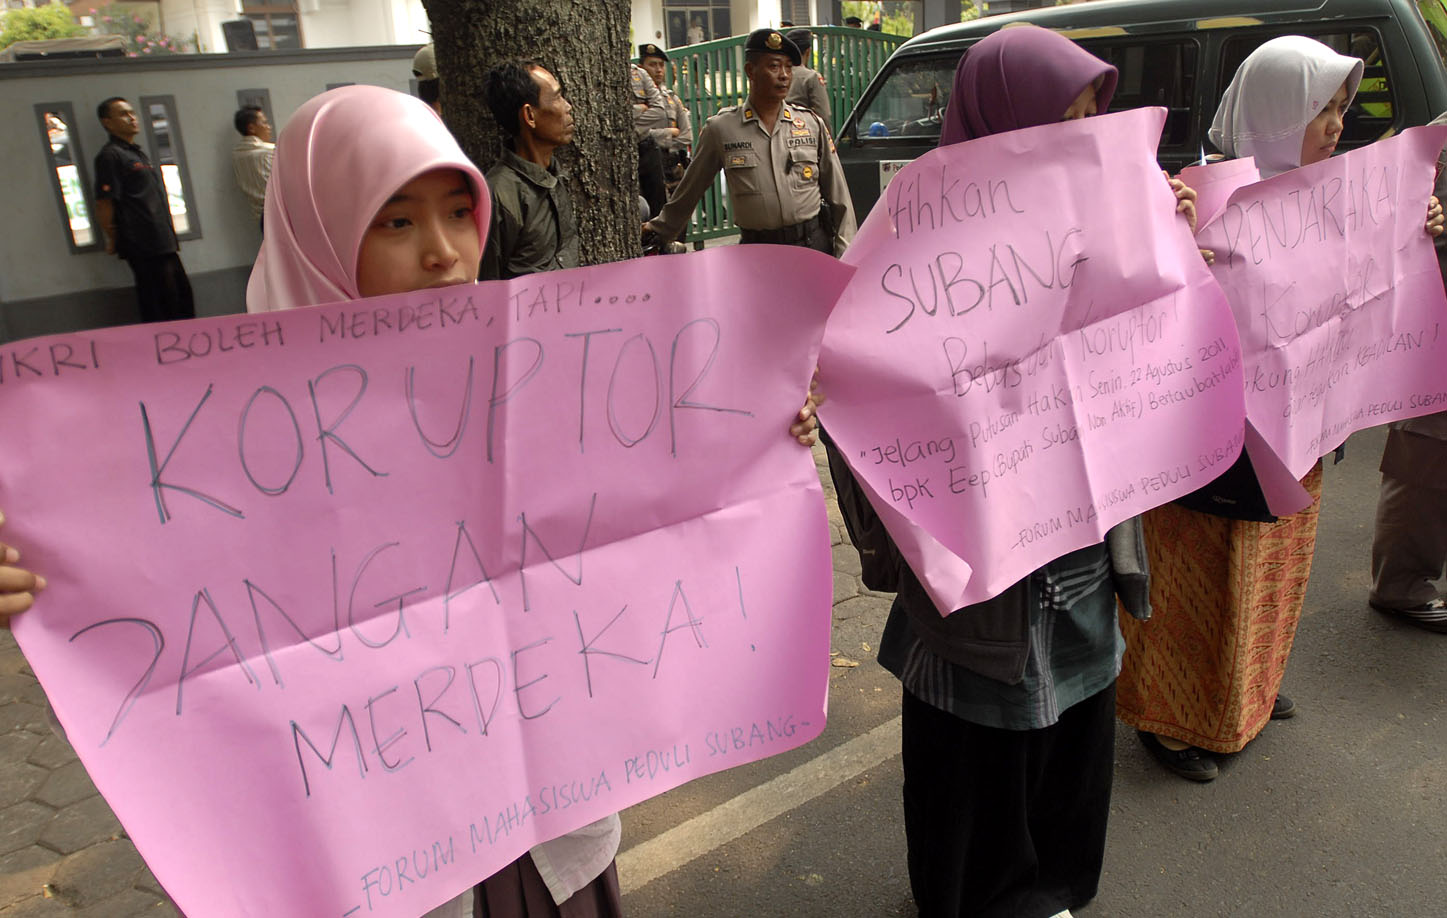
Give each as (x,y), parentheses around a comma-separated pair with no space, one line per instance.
(710,75)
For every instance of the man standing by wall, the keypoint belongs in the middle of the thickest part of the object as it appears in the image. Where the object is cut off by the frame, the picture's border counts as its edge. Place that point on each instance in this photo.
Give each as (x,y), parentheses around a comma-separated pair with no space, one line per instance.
(251,157)
(131,205)
(785,183)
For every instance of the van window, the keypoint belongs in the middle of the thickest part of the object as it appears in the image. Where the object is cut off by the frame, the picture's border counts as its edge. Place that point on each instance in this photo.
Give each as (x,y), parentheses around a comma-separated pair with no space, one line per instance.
(912,100)
(1157,73)
(1372,112)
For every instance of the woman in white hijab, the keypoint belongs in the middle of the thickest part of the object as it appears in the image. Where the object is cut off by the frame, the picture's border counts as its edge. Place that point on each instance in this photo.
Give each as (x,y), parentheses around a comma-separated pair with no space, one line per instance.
(1285,105)
(1203,676)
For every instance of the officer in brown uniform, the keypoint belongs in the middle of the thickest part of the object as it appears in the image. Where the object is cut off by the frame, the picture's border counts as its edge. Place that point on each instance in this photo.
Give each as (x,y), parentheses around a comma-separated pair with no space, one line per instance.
(650,120)
(784,180)
(807,89)
(676,140)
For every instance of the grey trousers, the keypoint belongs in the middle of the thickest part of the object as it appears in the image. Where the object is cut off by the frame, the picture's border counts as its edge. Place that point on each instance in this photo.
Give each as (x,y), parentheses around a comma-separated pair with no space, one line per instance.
(1409,547)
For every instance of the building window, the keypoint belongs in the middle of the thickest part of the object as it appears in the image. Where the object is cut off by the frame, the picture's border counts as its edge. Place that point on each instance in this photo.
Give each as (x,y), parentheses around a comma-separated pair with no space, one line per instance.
(163,132)
(67,173)
(277,23)
(689,22)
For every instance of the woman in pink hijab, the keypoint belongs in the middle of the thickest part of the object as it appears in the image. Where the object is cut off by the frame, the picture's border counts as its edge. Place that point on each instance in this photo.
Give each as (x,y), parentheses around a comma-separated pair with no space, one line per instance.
(361,174)
(356,211)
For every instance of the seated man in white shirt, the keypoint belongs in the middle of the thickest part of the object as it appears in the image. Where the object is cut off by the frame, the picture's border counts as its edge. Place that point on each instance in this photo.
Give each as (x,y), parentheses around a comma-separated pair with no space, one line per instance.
(251,157)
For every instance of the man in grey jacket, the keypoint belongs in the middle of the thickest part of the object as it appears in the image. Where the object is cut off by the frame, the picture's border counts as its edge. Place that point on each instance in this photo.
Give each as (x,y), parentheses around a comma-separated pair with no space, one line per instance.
(533,228)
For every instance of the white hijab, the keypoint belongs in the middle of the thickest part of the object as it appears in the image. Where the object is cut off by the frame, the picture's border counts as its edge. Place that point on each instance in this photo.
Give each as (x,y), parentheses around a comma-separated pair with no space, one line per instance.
(1275,94)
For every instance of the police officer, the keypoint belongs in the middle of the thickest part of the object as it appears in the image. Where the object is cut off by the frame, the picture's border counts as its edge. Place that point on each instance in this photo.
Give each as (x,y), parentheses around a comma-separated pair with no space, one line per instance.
(676,139)
(807,89)
(424,68)
(784,180)
(650,117)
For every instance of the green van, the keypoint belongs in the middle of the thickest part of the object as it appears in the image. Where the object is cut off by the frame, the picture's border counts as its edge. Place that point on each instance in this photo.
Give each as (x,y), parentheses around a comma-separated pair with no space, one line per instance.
(1178,54)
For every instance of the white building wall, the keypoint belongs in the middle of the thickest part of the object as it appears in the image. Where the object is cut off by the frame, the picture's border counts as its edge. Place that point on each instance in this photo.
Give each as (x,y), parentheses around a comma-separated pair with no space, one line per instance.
(34,258)
(202,18)
(346,23)
(647,22)
(745,15)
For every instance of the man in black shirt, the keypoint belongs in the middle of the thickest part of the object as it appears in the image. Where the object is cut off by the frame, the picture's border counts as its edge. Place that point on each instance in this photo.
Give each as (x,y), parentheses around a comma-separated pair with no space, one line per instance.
(135,215)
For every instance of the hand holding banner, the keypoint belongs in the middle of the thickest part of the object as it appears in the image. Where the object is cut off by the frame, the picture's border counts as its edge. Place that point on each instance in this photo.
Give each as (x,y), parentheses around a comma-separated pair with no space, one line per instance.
(350,606)
(1030,351)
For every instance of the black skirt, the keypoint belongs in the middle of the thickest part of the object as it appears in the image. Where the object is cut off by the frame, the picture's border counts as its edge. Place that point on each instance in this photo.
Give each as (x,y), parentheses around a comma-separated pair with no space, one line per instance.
(1006,822)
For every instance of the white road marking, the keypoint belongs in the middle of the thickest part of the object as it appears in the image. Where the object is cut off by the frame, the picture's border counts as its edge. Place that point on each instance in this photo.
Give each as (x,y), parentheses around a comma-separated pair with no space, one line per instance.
(663,854)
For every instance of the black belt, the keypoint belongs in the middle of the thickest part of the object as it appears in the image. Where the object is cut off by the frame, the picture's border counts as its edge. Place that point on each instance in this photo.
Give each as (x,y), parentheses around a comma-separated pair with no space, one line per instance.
(798,234)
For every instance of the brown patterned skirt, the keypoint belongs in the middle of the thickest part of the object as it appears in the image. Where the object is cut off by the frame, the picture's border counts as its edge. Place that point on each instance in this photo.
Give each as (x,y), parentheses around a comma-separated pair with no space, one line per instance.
(1226,596)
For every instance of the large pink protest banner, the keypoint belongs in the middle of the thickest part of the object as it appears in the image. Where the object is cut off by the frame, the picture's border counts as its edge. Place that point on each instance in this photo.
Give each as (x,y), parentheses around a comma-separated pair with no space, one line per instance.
(1030,351)
(350,606)
(1338,297)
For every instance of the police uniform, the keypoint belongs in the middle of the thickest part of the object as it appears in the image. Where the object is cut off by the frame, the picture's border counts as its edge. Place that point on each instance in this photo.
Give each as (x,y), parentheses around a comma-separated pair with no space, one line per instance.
(807,89)
(785,187)
(649,111)
(650,116)
(678,116)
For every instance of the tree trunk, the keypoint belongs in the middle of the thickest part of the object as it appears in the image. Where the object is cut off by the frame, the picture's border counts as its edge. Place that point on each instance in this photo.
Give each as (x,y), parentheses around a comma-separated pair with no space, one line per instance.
(585,46)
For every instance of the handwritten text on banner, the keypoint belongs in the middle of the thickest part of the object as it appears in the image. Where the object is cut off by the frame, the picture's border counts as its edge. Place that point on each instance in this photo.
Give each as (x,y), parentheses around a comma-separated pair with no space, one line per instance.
(1338,296)
(1030,351)
(350,606)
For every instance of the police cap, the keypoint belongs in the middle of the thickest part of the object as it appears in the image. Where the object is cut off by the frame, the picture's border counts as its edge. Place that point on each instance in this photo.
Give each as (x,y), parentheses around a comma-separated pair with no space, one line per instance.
(772,41)
(802,39)
(424,63)
(650,50)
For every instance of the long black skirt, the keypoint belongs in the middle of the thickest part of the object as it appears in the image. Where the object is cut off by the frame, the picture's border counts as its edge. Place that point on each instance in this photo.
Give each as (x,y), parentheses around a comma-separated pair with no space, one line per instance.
(1006,822)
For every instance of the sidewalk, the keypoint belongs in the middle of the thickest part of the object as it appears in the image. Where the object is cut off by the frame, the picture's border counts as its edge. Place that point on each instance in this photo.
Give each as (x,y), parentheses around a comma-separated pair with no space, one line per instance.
(62,851)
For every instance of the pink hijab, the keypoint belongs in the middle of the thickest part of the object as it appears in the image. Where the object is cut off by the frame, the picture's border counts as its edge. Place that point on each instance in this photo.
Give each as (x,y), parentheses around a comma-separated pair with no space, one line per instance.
(341,156)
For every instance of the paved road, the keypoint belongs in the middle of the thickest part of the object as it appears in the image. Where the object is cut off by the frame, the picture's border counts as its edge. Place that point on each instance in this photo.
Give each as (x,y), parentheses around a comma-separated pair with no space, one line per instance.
(1339,812)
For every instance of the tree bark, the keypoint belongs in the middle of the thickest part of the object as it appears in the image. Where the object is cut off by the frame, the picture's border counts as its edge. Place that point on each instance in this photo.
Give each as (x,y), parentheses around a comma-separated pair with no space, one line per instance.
(585,46)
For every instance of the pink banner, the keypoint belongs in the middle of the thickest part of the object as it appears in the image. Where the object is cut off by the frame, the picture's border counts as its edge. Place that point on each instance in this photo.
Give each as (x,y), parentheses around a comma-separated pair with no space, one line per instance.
(1030,351)
(1215,182)
(1338,297)
(350,606)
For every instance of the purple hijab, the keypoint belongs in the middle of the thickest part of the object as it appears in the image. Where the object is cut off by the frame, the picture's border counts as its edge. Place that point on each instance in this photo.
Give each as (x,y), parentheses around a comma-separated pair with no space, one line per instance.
(1018,78)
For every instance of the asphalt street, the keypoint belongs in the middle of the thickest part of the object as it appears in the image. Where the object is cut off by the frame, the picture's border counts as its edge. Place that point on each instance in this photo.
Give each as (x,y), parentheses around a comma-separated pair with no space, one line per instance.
(1341,811)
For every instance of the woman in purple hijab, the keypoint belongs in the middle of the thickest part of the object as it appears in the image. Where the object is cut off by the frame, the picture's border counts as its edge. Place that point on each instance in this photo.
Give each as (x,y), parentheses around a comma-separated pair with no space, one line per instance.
(1023,77)
(1008,711)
